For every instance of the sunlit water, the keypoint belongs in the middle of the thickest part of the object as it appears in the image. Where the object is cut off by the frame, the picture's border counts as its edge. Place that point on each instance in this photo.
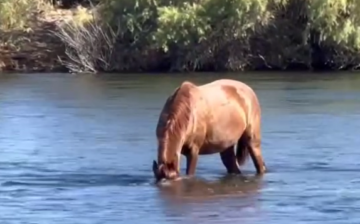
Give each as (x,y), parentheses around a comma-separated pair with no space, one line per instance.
(80,149)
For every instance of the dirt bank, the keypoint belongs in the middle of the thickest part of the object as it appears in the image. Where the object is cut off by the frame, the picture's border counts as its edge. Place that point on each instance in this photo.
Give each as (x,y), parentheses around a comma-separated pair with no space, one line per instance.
(34,49)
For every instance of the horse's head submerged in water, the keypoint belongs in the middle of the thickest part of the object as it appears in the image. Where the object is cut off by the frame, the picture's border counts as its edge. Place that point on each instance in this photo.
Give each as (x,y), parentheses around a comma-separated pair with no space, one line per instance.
(164,171)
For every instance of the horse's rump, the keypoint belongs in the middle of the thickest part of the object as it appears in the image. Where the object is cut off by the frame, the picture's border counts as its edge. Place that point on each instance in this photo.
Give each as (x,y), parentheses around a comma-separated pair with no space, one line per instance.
(236,107)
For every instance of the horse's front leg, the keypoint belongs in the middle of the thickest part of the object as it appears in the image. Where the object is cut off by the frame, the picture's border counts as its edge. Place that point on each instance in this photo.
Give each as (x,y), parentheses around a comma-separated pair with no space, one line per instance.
(191,160)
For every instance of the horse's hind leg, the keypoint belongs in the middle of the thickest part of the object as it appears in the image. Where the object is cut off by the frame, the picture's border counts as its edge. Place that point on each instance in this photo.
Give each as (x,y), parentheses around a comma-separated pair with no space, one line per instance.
(242,150)
(228,158)
(254,147)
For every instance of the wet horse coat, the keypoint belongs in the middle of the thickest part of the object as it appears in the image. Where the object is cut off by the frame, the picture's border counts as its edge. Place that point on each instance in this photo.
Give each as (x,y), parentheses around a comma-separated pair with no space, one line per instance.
(207,119)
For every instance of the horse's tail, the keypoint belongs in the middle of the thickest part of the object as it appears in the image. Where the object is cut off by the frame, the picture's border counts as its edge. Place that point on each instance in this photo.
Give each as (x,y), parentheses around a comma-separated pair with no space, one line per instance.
(242,151)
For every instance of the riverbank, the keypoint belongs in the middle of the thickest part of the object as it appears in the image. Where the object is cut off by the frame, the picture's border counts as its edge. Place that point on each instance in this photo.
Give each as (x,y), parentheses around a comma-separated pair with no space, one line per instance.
(125,36)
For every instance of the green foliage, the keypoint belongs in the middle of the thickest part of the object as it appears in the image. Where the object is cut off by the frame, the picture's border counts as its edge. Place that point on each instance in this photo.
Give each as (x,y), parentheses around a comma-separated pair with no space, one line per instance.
(337,20)
(232,34)
(189,24)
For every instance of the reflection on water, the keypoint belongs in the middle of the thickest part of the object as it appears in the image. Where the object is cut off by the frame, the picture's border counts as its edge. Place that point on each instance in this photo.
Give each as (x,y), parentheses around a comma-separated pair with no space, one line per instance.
(199,189)
(197,200)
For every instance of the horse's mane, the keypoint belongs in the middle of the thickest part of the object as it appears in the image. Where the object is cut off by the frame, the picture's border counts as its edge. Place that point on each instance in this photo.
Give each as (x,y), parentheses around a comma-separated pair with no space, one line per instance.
(178,109)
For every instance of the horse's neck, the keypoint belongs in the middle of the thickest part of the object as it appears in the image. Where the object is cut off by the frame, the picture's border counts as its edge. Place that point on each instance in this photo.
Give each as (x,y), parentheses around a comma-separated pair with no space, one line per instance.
(170,147)
(200,110)
(197,124)
(181,125)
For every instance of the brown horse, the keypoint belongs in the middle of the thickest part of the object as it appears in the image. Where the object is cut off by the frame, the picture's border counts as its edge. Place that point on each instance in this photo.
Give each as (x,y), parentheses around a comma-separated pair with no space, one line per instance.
(207,119)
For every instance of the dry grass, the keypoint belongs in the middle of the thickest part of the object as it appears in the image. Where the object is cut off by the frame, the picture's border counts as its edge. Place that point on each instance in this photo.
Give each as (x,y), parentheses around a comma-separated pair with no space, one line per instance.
(19,14)
(89,46)
(82,16)
(26,40)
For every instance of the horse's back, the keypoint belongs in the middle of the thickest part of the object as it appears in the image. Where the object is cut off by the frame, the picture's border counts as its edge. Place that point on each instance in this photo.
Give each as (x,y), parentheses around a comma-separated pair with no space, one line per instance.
(231,101)
(222,96)
(241,87)
(224,89)
(220,87)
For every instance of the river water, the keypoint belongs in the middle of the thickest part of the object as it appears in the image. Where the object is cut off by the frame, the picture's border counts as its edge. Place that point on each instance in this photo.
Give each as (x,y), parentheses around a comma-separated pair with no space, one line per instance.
(79,149)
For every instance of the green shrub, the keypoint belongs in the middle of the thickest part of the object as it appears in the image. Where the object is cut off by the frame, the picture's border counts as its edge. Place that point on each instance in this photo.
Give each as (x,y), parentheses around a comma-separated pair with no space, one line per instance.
(174,35)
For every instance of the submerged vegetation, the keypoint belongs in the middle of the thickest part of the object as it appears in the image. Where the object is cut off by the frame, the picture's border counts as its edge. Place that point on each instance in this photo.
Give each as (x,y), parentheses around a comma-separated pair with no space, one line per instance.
(207,35)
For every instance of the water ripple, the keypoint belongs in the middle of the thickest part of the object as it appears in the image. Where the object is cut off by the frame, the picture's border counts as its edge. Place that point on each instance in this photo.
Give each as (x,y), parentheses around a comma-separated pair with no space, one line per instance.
(77,180)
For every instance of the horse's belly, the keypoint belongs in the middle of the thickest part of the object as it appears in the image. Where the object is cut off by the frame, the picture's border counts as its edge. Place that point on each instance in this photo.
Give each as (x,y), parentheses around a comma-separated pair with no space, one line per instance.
(222,137)
(216,147)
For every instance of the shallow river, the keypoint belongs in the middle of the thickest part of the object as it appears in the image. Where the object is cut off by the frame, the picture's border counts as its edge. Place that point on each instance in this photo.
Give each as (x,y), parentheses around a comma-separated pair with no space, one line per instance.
(79,149)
